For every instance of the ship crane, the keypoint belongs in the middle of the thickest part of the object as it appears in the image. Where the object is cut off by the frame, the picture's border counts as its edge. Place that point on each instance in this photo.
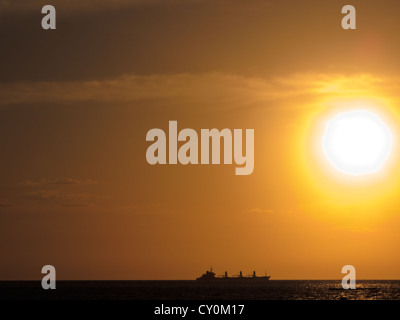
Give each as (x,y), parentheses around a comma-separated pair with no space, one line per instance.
(240,275)
(225,275)
(252,275)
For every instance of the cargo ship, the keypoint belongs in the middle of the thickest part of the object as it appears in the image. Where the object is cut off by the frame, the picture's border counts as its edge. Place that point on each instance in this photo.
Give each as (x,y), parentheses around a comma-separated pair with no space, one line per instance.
(210,275)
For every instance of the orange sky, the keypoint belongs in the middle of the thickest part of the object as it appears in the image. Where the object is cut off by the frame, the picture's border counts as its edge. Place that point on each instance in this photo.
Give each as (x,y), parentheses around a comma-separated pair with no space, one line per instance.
(76,104)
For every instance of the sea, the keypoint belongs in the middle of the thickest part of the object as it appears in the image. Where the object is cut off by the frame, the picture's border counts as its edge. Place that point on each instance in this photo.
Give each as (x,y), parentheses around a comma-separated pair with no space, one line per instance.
(199,290)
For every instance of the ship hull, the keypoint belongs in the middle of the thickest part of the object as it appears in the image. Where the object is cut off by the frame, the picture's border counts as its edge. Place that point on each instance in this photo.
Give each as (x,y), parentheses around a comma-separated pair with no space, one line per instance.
(211,276)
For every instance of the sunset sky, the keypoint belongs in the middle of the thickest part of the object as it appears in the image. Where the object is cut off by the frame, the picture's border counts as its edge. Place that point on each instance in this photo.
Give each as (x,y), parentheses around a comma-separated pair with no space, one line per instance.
(76,103)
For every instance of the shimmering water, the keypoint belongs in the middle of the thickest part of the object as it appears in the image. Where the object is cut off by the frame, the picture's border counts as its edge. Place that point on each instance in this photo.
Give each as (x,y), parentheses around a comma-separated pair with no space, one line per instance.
(196,290)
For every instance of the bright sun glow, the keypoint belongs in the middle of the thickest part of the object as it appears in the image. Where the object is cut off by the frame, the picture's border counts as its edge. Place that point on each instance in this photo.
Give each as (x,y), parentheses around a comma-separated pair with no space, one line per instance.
(357,142)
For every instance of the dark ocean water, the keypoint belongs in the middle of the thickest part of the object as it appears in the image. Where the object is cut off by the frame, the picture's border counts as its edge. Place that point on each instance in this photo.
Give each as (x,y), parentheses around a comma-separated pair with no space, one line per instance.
(196,290)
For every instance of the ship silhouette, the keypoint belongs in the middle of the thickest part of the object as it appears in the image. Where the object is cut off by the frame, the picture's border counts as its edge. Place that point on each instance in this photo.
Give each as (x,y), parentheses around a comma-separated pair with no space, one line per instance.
(210,275)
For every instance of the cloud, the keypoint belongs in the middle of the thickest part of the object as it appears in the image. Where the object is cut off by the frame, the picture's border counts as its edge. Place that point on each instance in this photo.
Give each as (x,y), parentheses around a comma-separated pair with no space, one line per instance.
(4,203)
(73,6)
(48,193)
(356,229)
(260,211)
(56,198)
(61,182)
(210,88)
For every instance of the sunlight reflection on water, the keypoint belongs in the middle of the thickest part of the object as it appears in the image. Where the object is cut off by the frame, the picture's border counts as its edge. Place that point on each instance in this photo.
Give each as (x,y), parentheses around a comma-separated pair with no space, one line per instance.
(199,290)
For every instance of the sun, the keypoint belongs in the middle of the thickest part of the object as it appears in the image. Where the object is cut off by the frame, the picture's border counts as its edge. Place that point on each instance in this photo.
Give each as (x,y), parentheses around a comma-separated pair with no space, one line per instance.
(357,142)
